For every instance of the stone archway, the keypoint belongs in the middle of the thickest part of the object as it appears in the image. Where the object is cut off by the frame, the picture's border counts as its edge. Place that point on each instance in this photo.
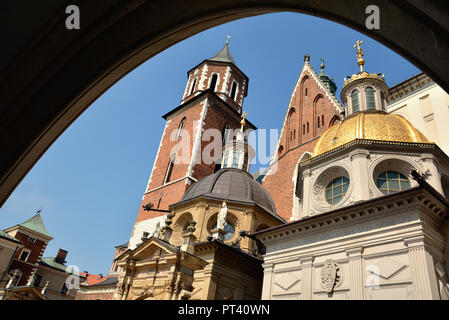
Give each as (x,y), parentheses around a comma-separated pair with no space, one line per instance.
(50,75)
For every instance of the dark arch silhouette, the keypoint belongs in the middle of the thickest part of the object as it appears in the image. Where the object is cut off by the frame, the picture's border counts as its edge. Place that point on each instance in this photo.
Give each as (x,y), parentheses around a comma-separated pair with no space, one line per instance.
(49,75)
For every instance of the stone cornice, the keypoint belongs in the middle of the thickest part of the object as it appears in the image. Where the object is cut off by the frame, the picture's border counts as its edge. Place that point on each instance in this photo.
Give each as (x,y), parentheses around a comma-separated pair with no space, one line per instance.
(369,210)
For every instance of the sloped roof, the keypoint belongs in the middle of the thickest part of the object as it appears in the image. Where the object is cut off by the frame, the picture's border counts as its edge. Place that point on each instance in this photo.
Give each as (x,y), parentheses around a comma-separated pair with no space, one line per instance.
(36,223)
(224,55)
(3,234)
(51,262)
(95,279)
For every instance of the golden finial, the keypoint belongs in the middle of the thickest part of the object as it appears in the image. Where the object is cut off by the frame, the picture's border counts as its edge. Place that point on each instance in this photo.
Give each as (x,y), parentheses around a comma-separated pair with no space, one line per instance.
(322,66)
(360,53)
(243,122)
(227,41)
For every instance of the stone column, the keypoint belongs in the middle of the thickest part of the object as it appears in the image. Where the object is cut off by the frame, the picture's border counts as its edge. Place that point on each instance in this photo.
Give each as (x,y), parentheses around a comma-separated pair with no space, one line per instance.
(307,281)
(356,277)
(425,286)
(267,280)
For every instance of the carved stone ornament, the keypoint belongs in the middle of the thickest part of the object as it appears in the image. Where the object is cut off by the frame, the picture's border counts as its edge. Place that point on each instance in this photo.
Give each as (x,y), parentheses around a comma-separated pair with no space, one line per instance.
(330,276)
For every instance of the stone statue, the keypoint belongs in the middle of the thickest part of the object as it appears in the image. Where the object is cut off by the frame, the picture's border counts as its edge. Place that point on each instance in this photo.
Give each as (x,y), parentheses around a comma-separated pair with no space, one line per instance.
(157,231)
(221,219)
(44,289)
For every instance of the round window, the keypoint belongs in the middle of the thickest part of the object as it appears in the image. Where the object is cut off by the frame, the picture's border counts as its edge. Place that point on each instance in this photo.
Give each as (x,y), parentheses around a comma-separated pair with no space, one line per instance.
(336,190)
(392,181)
(229,228)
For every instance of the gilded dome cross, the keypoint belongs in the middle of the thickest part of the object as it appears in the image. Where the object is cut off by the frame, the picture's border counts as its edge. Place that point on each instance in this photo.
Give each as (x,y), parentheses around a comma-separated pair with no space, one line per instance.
(360,53)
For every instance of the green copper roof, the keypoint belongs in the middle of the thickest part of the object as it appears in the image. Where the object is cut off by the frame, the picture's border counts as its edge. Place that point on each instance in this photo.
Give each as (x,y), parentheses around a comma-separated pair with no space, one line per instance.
(36,223)
(224,55)
(51,262)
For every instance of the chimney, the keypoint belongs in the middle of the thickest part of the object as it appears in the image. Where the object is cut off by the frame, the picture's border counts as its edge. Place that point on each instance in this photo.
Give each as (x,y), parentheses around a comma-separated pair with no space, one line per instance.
(62,254)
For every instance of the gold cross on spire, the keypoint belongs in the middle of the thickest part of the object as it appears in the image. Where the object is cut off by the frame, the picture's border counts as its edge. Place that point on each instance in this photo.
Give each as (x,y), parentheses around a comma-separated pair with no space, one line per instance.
(360,53)
(358,45)
(243,122)
(227,41)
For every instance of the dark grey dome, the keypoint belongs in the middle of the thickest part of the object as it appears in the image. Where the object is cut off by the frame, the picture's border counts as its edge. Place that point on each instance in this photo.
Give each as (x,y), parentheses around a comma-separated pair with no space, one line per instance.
(233,185)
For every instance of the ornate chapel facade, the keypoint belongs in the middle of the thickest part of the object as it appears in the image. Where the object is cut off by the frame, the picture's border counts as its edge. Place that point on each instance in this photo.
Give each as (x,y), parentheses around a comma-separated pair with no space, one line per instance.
(351,207)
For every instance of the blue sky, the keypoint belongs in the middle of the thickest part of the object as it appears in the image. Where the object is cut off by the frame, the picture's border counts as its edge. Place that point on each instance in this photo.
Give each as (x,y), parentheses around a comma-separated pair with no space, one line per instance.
(90,182)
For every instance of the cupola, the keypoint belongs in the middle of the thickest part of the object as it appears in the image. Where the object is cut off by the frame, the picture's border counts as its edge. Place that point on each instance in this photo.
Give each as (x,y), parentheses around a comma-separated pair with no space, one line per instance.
(364,91)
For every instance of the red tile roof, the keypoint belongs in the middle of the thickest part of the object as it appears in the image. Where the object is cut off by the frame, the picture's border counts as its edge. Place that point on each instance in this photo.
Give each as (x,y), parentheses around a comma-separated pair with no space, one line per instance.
(93,278)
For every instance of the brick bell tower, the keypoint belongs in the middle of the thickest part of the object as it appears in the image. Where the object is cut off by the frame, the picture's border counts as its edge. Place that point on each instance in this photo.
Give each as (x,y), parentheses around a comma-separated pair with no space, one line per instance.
(212,99)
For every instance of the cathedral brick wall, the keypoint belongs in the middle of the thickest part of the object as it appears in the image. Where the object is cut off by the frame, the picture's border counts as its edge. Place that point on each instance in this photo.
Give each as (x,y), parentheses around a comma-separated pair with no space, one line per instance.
(94,296)
(299,133)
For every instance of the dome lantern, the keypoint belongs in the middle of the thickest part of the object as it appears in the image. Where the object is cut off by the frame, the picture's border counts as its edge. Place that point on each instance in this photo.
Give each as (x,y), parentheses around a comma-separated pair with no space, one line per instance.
(237,153)
(364,91)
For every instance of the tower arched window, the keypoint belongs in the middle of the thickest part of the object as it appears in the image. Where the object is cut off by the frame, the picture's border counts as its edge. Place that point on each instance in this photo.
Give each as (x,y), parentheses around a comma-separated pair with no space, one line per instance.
(225,133)
(192,89)
(235,159)
(370,103)
(281,148)
(213,82)
(180,128)
(226,160)
(245,161)
(355,101)
(233,90)
(171,164)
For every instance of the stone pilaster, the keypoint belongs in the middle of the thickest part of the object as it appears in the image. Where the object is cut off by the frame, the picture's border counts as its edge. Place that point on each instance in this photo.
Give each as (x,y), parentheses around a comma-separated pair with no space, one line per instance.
(307,189)
(425,285)
(356,277)
(359,164)
(307,281)
(210,286)
(267,280)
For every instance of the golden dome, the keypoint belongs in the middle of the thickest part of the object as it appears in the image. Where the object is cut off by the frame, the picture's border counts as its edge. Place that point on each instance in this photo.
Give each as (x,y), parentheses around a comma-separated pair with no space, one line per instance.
(370,126)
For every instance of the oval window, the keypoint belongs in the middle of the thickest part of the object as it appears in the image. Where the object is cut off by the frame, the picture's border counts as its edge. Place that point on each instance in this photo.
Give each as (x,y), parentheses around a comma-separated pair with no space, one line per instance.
(336,190)
(392,181)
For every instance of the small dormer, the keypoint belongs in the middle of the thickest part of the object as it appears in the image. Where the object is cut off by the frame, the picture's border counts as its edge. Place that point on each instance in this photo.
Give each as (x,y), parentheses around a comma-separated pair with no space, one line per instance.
(221,75)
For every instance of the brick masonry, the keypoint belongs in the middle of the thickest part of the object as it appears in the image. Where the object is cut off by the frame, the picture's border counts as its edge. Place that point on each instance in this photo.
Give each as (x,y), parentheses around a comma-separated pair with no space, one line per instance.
(26,267)
(301,129)
(201,112)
